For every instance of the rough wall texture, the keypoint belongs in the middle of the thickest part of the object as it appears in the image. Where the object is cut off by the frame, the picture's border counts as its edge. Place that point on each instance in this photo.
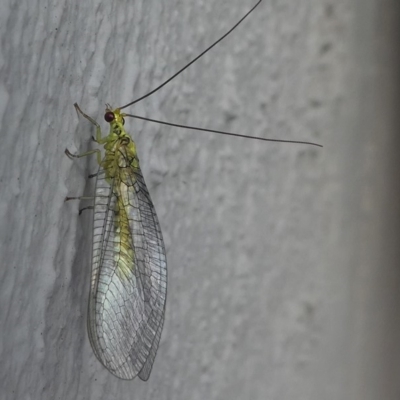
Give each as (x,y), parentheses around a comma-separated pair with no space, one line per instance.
(283,264)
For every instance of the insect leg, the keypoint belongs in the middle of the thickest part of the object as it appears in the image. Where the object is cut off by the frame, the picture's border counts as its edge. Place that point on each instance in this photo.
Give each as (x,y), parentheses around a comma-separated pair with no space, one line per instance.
(98,138)
(85,208)
(82,198)
(88,153)
(79,198)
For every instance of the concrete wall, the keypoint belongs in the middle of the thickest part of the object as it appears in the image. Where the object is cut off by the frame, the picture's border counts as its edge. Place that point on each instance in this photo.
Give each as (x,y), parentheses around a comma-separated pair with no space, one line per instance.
(283,259)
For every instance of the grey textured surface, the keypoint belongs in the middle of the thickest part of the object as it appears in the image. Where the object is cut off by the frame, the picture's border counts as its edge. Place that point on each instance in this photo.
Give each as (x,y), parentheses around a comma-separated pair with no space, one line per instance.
(283,259)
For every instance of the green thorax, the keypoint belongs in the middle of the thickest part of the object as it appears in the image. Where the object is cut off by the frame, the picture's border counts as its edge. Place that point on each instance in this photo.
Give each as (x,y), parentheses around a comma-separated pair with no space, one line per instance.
(119,146)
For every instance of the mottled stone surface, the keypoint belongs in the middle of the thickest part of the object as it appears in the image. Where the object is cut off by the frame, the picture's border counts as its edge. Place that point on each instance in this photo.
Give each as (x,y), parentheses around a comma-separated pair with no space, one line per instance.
(283,259)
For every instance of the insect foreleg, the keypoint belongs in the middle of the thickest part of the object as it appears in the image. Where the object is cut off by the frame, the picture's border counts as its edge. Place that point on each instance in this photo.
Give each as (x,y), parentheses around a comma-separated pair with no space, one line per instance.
(98,138)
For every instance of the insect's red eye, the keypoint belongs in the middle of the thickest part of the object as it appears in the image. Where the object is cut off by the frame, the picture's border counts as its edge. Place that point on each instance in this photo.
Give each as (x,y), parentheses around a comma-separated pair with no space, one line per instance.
(109,116)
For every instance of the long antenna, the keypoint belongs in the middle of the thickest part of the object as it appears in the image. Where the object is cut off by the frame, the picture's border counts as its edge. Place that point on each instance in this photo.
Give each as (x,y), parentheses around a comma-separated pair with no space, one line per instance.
(191,62)
(222,132)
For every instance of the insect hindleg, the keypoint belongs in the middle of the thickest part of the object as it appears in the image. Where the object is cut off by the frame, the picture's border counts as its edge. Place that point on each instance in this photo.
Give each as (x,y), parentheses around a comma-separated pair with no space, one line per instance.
(79,198)
(85,208)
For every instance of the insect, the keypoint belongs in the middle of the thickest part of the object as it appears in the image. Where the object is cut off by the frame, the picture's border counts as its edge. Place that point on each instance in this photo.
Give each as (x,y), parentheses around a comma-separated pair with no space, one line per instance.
(128,285)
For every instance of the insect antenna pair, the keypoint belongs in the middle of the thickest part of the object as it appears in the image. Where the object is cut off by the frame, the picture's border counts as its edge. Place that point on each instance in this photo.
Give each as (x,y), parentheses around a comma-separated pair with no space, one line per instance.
(204,129)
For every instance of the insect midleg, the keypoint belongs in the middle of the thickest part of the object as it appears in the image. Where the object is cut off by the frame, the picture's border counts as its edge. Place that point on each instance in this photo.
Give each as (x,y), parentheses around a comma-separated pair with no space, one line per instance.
(88,153)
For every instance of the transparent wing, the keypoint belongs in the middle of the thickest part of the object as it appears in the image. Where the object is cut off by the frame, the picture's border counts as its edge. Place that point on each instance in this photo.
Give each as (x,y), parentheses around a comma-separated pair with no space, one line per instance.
(129,276)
